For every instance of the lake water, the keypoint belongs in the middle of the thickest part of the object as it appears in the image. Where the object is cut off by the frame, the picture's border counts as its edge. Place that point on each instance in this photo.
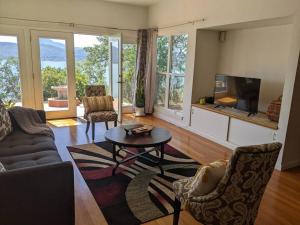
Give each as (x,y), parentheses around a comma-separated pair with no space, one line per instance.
(58,64)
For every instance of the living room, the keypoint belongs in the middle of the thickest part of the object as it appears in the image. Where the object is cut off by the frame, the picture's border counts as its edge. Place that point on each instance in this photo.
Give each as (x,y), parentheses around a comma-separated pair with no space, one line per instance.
(119,111)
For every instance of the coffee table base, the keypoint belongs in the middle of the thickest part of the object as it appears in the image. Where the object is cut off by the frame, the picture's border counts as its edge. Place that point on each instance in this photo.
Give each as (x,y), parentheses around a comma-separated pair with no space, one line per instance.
(157,149)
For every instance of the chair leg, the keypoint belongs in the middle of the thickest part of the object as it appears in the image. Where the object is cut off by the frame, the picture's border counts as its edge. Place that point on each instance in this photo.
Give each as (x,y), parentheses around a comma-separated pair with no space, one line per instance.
(87,126)
(93,131)
(115,123)
(177,208)
(106,125)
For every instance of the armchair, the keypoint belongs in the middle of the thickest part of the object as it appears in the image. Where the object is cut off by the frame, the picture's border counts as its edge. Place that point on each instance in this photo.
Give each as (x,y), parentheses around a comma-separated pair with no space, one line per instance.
(237,197)
(98,116)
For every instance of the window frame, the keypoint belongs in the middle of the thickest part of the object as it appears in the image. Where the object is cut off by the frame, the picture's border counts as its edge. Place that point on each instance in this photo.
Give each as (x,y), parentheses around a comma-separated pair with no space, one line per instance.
(169,74)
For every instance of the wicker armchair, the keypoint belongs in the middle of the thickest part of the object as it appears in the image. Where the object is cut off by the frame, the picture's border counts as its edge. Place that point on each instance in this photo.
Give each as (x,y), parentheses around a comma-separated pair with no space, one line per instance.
(236,199)
(101,116)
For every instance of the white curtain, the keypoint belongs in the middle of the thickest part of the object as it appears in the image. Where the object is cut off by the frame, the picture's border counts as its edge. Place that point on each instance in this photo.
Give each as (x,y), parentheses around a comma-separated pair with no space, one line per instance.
(150,74)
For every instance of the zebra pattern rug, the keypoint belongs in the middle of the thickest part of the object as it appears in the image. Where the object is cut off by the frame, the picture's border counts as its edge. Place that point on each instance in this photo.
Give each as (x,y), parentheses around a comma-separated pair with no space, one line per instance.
(138,193)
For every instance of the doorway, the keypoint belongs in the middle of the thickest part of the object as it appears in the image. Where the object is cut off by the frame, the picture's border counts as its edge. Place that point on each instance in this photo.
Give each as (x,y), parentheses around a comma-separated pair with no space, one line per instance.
(53,67)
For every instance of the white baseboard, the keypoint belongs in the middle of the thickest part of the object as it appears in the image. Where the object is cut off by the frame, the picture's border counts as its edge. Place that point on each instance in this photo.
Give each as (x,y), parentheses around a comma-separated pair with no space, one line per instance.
(290,165)
(169,119)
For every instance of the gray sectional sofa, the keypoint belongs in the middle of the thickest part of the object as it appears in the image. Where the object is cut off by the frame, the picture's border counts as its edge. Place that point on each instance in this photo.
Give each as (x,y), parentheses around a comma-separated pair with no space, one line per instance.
(37,187)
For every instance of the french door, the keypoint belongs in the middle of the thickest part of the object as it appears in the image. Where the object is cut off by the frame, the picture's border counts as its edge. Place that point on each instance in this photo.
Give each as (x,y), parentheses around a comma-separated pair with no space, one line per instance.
(115,71)
(54,73)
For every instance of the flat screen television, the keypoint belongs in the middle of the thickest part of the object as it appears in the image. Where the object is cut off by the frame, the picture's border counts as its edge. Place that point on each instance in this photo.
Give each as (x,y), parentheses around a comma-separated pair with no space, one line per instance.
(238,92)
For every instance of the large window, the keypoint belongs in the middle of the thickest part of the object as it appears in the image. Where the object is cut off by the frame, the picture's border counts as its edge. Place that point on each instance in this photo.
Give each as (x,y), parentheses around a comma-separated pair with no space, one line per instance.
(10,83)
(171,65)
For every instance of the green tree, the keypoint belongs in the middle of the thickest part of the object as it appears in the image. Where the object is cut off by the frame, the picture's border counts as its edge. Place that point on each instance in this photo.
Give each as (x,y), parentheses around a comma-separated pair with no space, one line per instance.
(82,80)
(96,62)
(129,64)
(52,77)
(10,85)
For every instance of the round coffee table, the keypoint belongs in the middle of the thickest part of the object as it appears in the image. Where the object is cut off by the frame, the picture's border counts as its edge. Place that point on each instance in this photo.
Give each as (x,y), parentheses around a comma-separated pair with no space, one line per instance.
(156,139)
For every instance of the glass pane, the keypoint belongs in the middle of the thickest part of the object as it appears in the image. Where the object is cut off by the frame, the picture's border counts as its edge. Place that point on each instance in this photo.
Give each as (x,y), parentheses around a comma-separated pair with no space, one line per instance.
(129,63)
(115,71)
(91,64)
(54,74)
(179,52)
(176,92)
(161,89)
(10,84)
(162,53)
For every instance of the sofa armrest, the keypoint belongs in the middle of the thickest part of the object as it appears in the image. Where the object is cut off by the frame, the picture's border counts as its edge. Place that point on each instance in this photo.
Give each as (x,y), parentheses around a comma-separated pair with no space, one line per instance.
(38,195)
(42,115)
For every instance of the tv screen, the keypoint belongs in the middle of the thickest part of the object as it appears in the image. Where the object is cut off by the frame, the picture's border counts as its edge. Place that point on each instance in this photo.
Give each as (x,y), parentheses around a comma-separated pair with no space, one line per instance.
(237,92)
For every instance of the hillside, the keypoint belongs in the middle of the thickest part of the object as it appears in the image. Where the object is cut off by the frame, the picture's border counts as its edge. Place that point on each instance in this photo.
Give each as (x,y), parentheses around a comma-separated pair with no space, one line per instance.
(50,51)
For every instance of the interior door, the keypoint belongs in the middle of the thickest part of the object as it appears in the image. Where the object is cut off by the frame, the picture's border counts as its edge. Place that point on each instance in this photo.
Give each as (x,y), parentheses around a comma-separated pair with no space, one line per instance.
(54,75)
(115,69)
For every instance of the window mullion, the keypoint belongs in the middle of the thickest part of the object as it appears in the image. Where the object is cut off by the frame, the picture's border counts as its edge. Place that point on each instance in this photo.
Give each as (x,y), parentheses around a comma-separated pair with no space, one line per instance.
(168,73)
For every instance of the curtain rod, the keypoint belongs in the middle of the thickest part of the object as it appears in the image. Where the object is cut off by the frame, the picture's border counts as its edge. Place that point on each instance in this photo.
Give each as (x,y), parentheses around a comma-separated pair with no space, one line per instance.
(66,23)
(105,27)
(185,23)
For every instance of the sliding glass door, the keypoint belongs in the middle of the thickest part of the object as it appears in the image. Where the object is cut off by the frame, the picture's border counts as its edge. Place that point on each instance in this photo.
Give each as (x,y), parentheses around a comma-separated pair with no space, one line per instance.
(53,66)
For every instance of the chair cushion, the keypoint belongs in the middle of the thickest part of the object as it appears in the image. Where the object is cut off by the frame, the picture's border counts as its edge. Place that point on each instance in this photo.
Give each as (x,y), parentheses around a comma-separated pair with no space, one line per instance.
(18,143)
(5,122)
(30,160)
(207,178)
(98,103)
(102,116)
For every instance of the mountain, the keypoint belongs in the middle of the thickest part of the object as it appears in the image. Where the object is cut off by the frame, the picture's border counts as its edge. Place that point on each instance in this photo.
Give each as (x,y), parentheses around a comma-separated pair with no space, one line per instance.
(50,51)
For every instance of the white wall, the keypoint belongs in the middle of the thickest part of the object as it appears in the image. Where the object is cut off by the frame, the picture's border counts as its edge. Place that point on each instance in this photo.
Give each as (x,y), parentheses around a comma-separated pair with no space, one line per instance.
(258,53)
(226,12)
(206,62)
(89,12)
(219,12)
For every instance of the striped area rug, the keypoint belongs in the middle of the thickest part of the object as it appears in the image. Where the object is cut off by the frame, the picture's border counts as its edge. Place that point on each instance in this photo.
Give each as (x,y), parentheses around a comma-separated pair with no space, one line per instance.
(138,193)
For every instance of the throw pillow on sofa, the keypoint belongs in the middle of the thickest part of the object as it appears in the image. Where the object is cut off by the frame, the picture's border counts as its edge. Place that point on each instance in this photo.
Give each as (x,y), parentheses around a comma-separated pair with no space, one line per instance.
(207,178)
(98,103)
(5,122)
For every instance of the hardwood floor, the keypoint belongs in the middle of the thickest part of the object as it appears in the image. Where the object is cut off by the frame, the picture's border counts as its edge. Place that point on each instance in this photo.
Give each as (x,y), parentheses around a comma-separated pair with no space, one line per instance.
(280,204)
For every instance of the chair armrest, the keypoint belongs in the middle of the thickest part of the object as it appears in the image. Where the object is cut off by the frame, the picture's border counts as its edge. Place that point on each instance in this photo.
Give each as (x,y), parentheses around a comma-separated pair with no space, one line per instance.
(38,195)
(205,198)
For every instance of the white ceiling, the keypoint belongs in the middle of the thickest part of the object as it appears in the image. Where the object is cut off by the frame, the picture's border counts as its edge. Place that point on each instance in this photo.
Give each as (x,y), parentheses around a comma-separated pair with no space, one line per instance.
(135,2)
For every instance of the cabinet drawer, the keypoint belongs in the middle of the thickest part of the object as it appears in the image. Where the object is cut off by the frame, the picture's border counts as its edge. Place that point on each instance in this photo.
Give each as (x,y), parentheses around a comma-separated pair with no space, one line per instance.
(244,133)
(209,123)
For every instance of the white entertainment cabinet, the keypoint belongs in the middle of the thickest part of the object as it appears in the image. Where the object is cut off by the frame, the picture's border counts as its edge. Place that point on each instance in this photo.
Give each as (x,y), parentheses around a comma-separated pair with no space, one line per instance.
(231,127)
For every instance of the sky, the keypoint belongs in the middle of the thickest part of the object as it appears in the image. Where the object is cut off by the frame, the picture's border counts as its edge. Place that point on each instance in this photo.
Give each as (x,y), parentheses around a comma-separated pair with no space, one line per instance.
(80,40)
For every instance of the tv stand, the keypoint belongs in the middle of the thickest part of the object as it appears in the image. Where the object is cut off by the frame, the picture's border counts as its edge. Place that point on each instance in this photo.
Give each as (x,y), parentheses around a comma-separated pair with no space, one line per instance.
(251,114)
(220,107)
(232,127)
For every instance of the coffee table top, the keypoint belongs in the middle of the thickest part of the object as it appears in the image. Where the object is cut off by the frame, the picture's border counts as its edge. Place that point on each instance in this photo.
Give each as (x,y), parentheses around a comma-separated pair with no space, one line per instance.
(158,136)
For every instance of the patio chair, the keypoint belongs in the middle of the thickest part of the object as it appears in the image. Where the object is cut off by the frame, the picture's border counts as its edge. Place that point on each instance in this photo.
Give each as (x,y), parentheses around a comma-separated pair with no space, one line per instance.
(236,198)
(97,116)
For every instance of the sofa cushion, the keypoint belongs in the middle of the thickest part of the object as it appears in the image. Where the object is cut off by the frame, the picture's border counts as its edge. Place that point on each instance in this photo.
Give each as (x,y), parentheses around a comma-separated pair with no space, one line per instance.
(30,160)
(18,143)
(5,122)
(2,168)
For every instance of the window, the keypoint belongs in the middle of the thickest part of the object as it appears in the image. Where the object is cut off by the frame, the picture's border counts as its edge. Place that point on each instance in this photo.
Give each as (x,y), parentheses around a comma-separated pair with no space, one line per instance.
(171,66)
(10,83)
